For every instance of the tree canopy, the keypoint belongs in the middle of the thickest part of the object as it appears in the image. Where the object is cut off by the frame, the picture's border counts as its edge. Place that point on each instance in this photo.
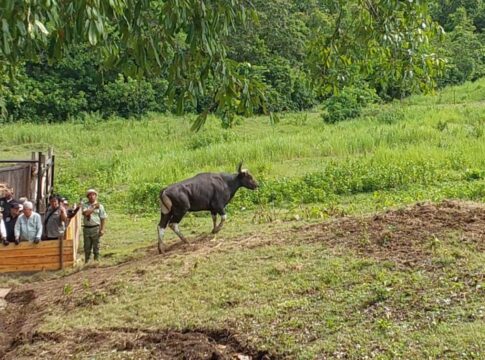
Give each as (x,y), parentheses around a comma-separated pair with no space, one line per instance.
(224,56)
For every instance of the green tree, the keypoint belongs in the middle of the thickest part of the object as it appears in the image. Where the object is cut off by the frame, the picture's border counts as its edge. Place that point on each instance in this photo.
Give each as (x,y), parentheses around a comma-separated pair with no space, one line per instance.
(385,43)
(463,49)
(194,46)
(182,39)
(443,10)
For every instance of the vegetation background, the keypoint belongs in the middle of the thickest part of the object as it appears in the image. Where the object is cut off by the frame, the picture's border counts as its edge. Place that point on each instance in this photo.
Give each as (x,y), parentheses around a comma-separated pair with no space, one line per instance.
(354,141)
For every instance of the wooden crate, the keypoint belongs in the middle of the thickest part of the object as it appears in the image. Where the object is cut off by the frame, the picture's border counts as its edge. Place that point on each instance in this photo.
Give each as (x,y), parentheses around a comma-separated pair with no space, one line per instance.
(45,255)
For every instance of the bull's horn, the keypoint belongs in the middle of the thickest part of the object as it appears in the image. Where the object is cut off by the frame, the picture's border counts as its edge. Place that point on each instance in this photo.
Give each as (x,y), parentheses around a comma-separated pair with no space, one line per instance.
(239,167)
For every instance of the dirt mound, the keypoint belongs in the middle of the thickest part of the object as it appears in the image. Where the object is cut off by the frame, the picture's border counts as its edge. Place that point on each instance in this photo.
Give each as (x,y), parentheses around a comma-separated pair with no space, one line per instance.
(406,236)
(21,297)
(19,317)
(129,343)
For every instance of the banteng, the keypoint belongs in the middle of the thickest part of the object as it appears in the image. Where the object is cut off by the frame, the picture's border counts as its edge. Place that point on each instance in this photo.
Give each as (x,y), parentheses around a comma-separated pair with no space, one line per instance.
(203,192)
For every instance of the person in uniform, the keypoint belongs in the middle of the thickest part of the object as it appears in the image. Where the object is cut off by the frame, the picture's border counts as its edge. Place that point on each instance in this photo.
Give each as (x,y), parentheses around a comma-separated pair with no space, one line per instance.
(94,220)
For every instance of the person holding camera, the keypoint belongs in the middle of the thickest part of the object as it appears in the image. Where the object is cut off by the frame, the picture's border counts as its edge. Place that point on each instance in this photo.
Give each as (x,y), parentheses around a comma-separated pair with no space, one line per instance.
(55,218)
(94,220)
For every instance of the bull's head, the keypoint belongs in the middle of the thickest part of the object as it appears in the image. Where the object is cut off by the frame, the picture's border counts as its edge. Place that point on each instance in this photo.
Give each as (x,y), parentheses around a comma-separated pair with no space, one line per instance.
(246,178)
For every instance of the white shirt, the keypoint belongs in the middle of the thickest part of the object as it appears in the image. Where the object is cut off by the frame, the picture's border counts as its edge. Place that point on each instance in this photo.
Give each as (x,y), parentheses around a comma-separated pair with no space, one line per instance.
(28,228)
(3,230)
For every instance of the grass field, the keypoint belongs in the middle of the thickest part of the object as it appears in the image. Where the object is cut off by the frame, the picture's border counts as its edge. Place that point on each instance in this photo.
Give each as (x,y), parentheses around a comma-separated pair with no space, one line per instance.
(276,278)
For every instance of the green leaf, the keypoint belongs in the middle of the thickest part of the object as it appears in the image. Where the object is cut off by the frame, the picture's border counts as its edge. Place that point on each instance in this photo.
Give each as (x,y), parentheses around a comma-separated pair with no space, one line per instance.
(41,27)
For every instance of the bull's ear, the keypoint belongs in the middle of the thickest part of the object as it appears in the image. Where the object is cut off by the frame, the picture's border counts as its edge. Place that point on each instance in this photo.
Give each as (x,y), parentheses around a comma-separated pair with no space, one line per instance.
(239,167)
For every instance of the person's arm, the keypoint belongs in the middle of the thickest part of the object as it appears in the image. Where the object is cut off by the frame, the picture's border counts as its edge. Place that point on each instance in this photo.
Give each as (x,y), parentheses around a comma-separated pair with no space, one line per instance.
(101,227)
(102,218)
(90,209)
(62,213)
(38,234)
(16,229)
(3,230)
(74,212)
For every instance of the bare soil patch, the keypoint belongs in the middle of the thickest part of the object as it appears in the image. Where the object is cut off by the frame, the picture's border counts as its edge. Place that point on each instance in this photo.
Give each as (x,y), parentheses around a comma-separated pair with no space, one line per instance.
(405,236)
(129,343)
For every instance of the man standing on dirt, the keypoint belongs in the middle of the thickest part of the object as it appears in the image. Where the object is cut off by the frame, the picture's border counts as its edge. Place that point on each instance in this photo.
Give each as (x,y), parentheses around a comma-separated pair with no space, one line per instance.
(94,219)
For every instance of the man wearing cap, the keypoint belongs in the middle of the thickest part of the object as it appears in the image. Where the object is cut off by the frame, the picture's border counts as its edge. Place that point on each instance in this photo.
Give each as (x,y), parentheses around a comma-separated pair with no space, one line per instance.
(10,223)
(94,219)
(29,225)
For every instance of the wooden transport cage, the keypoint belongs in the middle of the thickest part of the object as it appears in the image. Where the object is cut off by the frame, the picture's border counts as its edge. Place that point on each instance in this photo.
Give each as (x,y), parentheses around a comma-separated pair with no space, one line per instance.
(45,255)
(34,180)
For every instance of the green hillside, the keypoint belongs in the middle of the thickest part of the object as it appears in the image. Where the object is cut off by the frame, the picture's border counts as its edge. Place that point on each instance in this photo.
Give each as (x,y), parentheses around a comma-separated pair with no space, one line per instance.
(288,276)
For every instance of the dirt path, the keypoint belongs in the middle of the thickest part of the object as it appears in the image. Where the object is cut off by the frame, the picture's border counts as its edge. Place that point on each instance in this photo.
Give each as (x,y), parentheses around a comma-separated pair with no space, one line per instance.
(405,237)
(25,310)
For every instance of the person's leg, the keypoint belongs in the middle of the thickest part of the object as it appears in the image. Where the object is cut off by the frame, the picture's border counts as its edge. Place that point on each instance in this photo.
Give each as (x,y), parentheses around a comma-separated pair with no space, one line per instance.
(88,244)
(96,239)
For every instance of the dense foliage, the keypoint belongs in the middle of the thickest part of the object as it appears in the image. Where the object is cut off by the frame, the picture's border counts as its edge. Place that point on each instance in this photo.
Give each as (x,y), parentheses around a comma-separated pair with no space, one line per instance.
(294,54)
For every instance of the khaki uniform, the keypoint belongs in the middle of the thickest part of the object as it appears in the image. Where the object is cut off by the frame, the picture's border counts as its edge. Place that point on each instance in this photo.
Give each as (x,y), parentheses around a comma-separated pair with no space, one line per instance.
(91,224)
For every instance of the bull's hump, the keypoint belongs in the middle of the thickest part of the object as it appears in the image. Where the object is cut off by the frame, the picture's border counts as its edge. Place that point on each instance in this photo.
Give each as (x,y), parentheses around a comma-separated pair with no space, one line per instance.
(204,180)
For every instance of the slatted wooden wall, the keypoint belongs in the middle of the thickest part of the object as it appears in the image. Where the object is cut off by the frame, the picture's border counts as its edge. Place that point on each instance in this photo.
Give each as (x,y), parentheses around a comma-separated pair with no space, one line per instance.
(18,177)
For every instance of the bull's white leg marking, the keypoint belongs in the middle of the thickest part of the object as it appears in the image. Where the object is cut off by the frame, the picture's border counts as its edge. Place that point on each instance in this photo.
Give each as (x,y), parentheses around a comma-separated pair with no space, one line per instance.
(161,232)
(175,228)
(214,222)
(224,217)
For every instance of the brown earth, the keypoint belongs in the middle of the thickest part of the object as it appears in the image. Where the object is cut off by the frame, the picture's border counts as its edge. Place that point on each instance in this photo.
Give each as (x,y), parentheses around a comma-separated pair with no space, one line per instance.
(405,237)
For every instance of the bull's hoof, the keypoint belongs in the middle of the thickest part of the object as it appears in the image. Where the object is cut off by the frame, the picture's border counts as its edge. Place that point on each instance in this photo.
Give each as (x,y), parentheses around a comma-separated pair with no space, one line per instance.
(161,249)
(216,230)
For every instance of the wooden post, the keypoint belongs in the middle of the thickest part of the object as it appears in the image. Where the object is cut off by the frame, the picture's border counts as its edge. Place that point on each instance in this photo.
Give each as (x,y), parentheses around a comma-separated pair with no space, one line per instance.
(33,180)
(61,248)
(49,175)
(39,181)
(52,172)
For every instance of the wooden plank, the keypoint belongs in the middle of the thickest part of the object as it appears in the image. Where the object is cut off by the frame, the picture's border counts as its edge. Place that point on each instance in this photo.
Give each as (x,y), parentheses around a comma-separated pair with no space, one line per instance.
(38,252)
(27,245)
(32,267)
(17,177)
(45,256)
(61,251)
(41,245)
(32,260)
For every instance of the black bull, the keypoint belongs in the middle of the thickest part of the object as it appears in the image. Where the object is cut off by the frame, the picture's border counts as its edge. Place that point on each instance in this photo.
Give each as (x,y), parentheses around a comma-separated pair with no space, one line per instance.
(203,192)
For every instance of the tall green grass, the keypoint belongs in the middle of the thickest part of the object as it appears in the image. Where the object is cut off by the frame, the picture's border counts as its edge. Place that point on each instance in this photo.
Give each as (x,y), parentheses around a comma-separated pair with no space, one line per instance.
(422,141)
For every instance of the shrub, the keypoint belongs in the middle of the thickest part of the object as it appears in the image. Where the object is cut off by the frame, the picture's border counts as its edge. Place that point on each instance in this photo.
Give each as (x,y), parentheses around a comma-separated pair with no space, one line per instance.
(348,103)
(130,97)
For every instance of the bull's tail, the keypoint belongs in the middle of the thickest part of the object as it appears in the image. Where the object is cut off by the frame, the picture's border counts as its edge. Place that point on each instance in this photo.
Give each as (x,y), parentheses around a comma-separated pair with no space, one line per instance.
(165,203)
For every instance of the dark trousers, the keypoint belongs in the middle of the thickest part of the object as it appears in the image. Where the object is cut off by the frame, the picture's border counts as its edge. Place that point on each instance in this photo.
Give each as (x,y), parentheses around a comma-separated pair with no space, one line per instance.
(91,241)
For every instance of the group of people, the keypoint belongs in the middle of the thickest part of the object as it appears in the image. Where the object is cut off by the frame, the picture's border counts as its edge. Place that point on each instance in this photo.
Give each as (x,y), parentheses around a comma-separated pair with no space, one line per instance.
(19,222)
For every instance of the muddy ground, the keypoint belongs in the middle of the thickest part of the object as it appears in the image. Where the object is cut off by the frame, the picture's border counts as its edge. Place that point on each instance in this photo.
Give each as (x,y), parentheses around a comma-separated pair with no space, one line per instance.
(405,237)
